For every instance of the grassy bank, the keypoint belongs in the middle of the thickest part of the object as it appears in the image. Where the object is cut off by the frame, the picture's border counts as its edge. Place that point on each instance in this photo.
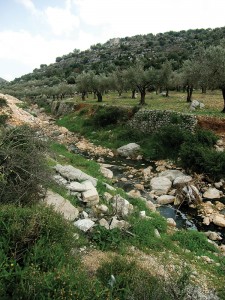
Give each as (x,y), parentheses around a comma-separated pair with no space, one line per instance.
(41,255)
(176,101)
(108,126)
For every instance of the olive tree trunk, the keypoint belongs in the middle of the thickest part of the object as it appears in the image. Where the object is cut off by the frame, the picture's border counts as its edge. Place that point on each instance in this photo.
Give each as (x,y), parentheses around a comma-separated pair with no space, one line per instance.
(189,93)
(223,92)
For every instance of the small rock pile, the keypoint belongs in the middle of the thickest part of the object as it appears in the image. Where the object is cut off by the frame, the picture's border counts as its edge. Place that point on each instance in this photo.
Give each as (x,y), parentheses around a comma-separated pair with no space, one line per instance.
(90,212)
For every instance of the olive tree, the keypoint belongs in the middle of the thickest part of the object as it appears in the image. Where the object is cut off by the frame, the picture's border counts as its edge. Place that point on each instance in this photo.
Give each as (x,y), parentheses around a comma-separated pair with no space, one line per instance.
(141,79)
(190,76)
(165,74)
(213,64)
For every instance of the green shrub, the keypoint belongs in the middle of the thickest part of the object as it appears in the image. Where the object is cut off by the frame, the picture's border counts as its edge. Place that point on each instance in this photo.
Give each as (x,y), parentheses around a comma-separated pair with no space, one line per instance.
(3,102)
(201,159)
(202,137)
(144,235)
(105,116)
(36,260)
(167,141)
(23,168)
(3,119)
(107,239)
(194,241)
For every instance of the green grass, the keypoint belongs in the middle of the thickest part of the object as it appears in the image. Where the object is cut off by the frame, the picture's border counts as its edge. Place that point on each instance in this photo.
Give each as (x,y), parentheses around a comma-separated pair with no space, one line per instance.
(176,101)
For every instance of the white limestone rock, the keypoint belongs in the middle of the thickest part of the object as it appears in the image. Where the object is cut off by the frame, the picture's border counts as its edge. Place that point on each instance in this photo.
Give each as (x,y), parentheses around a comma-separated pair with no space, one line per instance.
(61,205)
(122,206)
(121,224)
(76,187)
(104,223)
(74,174)
(165,199)
(129,150)
(171,174)
(160,185)
(106,172)
(212,193)
(90,196)
(171,222)
(219,220)
(182,180)
(84,224)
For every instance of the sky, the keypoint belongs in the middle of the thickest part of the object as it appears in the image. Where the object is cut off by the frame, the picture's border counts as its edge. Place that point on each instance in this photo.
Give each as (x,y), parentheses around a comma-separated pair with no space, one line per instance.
(34,32)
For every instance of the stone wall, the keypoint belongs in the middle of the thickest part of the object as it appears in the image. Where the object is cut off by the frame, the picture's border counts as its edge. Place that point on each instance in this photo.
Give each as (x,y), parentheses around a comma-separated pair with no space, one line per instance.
(59,108)
(148,121)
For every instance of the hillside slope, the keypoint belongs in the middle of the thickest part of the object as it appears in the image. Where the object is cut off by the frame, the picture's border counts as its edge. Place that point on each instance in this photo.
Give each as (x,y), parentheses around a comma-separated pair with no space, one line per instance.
(122,52)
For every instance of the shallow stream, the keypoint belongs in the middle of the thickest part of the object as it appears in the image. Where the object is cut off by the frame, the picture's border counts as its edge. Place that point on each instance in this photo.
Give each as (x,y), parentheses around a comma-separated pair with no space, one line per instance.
(185,217)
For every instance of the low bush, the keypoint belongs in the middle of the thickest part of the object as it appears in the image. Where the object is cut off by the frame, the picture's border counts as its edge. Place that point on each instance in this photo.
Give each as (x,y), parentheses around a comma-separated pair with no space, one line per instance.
(105,116)
(3,119)
(194,241)
(3,102)
(202,137)
(106,239)
(144,232)
(36,259)
(202,159)
(23,169)
(167,141)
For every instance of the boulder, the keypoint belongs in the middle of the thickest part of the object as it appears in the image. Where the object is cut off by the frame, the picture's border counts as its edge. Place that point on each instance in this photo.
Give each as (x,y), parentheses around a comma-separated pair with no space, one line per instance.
(109,187)
(121,224)
(60,180)
(61,205)
(151,205)
(171,222)
(90,196)
(84,224)
(213,236)
(134,194)
(195,103)
(171,174)
(182,180)
(102,208)
(106,172)
(219,220)
(76,187)
(122,206)
(104,223)
(165,199)
(72,174)
(160,185)
(212,193)
(129,150)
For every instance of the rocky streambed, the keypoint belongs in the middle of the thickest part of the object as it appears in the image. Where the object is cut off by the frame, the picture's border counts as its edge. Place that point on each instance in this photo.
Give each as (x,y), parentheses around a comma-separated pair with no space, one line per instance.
(190,202)
(187,201)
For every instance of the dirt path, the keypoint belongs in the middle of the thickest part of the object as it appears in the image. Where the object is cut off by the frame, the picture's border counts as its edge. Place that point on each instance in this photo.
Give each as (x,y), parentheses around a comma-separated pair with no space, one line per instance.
(40,120)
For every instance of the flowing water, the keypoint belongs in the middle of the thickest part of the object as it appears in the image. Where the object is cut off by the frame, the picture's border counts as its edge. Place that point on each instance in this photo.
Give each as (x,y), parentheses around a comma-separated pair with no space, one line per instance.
(185,217)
